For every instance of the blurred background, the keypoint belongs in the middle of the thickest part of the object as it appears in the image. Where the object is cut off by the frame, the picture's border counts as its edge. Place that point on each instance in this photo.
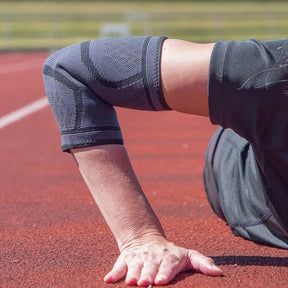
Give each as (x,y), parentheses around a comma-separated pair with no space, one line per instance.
(35,25)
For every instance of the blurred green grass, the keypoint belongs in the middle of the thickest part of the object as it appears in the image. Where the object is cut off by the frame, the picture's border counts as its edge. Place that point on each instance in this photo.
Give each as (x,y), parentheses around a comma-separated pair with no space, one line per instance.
(54,24)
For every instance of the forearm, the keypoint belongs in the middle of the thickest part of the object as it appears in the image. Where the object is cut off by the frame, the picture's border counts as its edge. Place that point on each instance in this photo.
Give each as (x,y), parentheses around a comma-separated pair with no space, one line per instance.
(108,174)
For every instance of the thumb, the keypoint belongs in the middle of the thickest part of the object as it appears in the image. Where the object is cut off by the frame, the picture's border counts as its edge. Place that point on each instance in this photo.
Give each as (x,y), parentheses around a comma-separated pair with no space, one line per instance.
(203,264)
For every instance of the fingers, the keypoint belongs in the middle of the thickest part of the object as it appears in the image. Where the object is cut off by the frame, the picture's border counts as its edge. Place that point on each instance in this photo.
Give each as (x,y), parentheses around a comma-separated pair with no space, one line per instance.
(148,274)
(170,266)
(151,268)
(137,272)
(203,264)
(133,274)
(118,272)
(196,261)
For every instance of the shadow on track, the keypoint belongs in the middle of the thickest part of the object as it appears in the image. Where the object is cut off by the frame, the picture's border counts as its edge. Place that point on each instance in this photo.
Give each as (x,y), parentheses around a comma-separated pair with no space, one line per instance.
(251,260)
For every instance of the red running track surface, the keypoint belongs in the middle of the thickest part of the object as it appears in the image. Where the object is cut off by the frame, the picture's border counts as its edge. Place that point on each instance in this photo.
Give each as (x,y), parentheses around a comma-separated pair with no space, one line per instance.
(51,232)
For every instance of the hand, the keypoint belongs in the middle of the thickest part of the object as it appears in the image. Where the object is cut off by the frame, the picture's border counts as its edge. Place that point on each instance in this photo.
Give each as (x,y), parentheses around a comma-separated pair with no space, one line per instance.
(157,261)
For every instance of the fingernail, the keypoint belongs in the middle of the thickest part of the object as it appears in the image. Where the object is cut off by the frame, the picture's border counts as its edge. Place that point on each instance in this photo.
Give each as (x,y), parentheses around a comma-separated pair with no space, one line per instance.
(214,267)
(160,279)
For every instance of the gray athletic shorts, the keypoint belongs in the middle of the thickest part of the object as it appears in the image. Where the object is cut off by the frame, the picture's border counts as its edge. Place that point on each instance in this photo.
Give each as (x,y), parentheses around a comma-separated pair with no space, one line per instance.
(235,193)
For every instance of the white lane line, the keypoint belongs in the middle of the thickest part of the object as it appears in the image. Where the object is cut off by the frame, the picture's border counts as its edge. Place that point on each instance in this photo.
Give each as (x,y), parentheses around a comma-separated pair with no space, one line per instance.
(23,112)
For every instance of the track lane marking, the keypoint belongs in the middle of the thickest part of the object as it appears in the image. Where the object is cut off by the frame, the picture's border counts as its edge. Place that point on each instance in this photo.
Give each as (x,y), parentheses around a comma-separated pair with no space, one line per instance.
(22,112)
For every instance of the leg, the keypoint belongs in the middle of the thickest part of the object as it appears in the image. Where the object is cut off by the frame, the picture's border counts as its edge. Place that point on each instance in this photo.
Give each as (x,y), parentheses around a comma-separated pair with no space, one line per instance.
(235,192)
(210,172)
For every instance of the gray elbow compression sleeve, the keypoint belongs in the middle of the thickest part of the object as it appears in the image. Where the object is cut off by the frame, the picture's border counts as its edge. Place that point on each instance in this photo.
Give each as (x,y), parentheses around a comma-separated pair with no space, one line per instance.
(84,81)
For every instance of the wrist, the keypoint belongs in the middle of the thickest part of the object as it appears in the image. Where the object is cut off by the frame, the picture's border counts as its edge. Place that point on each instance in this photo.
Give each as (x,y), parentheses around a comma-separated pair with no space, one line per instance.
(140,238)
(138,227)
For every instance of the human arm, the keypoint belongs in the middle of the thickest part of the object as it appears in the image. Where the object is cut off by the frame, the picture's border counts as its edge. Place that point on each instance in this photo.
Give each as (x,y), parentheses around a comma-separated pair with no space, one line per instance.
(184,75)
(137,230)
(146,256)
(110,178)
(83,83)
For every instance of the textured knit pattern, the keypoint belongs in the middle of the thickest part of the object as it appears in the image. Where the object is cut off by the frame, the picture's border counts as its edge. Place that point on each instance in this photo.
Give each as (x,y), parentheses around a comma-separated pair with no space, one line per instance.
(84,81)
